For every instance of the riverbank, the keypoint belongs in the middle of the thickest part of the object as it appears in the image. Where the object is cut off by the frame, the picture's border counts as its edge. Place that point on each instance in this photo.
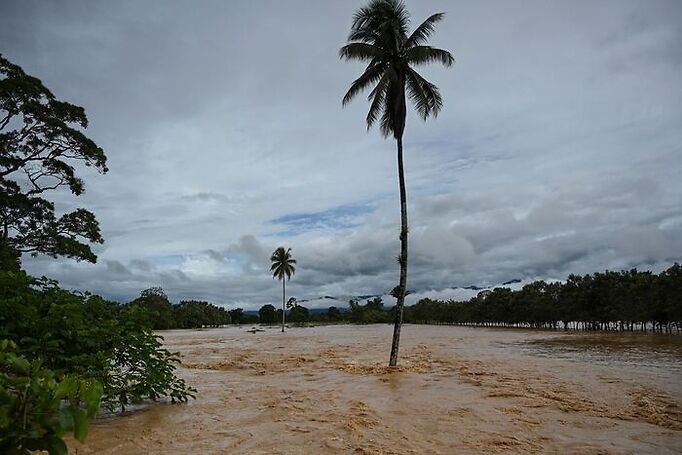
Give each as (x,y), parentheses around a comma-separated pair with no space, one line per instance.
(458,390)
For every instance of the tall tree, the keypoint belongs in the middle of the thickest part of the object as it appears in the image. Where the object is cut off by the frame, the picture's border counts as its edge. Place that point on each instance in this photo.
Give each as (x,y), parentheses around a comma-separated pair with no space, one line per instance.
(41,143)
(282,267)
(267,314)
(379,36)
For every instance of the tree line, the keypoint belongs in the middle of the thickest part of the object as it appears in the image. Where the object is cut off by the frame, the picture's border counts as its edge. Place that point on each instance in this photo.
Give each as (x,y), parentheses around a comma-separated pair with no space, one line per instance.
(371,312)
(188,314)
(629,300)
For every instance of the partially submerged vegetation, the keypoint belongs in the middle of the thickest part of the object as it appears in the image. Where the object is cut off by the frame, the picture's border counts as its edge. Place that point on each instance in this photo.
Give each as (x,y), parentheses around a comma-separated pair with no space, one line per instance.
(624,301)
(38,407)
(188,314)
(609,301)
(56,339)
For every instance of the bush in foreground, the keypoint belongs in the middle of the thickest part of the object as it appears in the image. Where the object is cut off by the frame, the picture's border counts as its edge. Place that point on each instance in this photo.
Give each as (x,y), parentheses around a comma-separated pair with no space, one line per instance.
(62,354)
(36,409)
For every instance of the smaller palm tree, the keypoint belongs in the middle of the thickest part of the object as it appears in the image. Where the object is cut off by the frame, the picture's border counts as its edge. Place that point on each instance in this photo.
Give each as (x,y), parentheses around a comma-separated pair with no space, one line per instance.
(282,266)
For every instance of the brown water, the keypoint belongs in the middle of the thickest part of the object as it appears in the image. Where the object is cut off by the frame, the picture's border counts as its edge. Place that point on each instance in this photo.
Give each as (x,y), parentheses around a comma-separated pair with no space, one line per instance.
(325,390)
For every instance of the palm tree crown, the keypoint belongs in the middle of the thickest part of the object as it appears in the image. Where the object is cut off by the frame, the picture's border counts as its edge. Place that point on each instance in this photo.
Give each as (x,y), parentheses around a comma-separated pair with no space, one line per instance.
(282,263)
(379,36)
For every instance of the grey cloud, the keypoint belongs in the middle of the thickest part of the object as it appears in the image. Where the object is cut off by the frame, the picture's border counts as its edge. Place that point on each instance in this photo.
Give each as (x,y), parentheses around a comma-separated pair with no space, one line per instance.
(256,254)
(141,265)
(116,268)
(215,255)
(557,152)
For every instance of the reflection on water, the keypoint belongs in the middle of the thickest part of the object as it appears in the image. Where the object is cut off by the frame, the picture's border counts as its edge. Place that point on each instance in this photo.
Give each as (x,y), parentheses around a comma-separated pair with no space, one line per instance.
(634,350)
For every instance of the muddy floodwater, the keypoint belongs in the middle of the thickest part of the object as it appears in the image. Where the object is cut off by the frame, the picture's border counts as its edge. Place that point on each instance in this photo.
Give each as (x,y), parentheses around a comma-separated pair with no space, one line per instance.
(326,390)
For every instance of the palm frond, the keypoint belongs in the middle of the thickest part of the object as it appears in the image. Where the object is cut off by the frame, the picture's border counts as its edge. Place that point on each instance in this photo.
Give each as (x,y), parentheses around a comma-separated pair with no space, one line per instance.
(364,36)
(419,55)
(372,74)
(360,51)
(377,97)
(397,13)
(378,11)
(421,34)
(364,15)
(388,14)
(424,95)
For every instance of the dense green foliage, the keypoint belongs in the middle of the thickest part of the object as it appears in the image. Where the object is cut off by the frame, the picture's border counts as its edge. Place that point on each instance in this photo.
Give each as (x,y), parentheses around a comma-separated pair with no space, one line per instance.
(86,336)
(41,142)
(298,314)
(626,300)
(267,314)
(36,409)
(193,314)
(370,313)
(188,314)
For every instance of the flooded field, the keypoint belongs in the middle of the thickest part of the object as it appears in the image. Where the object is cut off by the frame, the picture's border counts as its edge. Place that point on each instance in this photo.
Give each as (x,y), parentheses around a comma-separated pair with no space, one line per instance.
(326,390)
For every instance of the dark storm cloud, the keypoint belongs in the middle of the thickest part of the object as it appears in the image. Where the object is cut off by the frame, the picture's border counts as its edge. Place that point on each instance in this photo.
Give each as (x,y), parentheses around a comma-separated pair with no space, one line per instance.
(558,150)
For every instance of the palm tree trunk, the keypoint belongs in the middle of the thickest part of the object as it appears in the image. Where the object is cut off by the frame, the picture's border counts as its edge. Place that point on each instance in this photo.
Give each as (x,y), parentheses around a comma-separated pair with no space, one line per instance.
(284,310)
(402,259)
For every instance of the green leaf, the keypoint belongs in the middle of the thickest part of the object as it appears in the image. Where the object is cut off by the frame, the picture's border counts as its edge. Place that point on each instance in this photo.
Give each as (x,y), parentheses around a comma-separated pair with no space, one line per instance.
(67,388)
(55,446)
(91,394)
(66,420)
(19,363)
(80,429)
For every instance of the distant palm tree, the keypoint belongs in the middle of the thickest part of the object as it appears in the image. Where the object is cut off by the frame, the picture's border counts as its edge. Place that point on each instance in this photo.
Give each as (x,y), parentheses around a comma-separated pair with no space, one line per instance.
(282,266)
(379,36)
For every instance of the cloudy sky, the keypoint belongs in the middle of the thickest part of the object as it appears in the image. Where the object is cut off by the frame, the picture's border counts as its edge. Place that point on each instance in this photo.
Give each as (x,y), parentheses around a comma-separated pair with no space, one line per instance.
(559,149)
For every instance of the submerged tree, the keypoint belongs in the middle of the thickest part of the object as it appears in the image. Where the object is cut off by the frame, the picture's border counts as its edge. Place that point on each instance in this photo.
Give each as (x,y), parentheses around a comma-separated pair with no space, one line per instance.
(628,300)
(267,314)
(41,143)
(282,266)
(379,36)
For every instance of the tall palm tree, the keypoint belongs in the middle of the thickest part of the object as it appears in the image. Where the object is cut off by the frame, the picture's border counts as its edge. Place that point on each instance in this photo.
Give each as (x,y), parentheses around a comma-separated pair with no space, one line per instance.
(282,266)
(379,36)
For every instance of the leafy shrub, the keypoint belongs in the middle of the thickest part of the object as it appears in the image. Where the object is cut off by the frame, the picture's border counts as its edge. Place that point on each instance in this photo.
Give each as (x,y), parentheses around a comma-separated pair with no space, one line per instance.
(84,335)
(141,369)
(36,409)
